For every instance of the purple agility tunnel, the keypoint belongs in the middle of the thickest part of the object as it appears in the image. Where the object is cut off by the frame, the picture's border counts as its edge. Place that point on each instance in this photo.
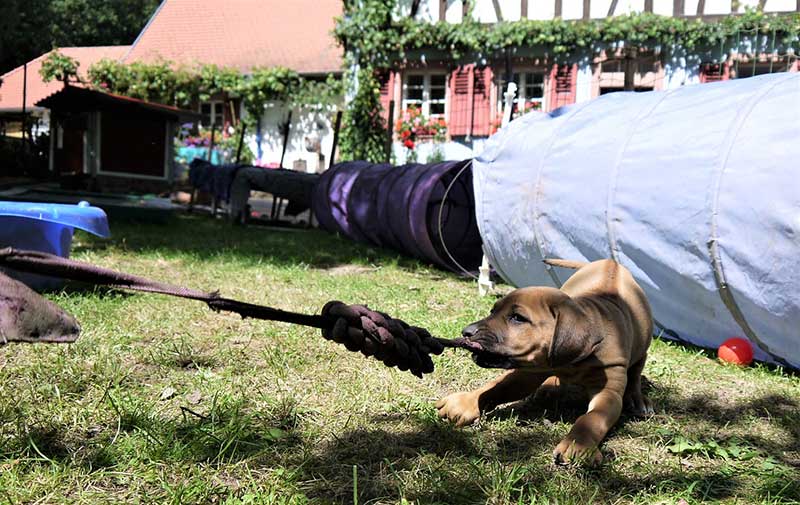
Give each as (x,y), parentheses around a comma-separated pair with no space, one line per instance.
(400,208)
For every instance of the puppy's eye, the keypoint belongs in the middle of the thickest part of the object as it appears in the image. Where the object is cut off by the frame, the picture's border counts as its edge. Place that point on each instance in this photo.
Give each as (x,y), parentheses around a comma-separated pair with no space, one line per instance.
(517,318)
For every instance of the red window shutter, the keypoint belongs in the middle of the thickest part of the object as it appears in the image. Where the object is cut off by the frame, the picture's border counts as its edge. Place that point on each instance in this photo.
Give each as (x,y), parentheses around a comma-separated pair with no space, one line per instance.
(387,92)
(563,84)
(481,101)
(461,85)
(470,101)
(713,72)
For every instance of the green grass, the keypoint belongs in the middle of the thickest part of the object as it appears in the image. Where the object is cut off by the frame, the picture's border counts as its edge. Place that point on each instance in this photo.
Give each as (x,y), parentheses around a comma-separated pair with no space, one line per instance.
(164,400)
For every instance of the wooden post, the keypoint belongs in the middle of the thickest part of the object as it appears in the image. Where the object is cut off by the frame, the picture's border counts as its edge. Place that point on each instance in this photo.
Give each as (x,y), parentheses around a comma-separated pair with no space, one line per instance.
(286,136)
(337,125)
(630,63)
(241,143)
(497,11)
(390,132)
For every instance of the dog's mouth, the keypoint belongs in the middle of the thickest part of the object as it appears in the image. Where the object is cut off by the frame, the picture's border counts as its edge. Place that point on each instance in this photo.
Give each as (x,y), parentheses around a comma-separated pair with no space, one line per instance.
(482,355)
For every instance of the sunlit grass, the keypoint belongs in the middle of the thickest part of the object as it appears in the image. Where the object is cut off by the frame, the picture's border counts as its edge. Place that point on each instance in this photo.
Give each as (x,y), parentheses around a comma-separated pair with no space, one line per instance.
(162,399)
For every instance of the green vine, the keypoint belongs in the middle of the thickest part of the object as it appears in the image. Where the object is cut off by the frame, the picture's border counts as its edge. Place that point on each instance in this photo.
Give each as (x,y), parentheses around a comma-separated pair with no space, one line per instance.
(364,129)
(167,83)
(376,39)
(59,67)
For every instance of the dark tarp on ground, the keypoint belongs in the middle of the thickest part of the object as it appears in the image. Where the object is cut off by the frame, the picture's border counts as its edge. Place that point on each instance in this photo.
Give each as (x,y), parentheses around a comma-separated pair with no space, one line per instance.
(234,182)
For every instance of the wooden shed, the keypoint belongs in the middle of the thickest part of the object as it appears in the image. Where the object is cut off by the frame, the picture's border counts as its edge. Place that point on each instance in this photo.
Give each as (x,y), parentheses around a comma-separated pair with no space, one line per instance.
(110,142)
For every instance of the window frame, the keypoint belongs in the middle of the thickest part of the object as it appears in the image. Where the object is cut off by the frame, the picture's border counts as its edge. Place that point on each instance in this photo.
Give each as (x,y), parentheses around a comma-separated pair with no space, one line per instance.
(213,114)
(424,104)
(647,74)
(522,84)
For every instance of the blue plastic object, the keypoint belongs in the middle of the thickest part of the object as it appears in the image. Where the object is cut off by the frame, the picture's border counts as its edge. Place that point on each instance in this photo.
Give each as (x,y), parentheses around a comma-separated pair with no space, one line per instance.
(47,227)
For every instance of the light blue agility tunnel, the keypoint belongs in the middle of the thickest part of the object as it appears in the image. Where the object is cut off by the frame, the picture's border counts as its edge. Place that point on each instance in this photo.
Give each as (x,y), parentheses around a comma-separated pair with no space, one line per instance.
(696,190)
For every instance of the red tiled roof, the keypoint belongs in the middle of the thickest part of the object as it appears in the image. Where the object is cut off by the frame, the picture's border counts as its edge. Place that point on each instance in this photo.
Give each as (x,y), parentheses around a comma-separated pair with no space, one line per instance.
(79,99)
(11,89)
(243,34)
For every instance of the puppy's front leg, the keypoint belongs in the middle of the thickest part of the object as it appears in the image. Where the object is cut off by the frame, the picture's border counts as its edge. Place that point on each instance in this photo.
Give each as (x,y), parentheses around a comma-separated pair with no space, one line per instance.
(582,443)
(464,408)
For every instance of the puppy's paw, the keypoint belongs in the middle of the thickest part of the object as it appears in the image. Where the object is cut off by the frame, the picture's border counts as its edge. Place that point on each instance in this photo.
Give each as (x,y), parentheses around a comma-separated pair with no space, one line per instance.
(459,408)
(570,451)
(639,405)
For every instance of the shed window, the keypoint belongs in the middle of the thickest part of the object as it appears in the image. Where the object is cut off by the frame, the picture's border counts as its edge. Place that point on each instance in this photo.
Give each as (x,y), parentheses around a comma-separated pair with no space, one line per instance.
(212,114)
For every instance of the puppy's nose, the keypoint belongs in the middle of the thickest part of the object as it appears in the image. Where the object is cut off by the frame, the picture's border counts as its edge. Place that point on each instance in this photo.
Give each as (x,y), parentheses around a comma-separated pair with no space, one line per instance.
(470,330)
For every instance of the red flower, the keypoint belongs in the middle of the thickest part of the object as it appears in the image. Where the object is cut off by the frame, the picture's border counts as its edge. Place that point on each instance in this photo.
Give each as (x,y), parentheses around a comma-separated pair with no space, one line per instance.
(409,143)
(405,134)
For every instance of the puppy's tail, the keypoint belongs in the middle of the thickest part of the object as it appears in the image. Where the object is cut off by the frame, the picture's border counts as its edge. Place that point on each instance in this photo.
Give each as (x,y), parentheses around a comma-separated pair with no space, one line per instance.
(565,263)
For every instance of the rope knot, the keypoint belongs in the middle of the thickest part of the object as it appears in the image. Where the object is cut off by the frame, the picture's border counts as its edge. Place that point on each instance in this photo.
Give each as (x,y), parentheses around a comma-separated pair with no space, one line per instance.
(389,340)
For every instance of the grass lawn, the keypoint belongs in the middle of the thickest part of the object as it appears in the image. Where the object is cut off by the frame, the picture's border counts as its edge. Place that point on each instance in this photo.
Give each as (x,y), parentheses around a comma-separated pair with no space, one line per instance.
(164,400)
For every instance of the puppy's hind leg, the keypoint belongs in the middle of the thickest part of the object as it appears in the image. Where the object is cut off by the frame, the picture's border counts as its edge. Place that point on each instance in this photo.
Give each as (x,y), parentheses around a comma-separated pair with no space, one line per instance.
(636,403)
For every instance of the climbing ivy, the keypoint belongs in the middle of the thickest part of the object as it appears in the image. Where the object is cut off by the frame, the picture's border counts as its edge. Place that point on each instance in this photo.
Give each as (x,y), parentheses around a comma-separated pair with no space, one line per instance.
(376,38)
(364,130)
(182,86)
(373,37)
(60,67)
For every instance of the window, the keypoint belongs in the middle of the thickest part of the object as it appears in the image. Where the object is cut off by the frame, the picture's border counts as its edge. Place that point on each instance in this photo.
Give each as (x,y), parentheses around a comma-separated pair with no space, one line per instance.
(428,92)
(752,68)
(612,74)
(530,91)
(212,114)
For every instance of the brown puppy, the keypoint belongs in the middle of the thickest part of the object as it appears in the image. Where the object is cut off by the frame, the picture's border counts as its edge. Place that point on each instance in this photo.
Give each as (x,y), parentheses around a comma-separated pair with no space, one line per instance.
(594,332)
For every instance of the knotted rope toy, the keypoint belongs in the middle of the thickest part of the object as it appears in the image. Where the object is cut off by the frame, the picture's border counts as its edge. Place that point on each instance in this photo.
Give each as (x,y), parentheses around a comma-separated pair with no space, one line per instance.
(358,328)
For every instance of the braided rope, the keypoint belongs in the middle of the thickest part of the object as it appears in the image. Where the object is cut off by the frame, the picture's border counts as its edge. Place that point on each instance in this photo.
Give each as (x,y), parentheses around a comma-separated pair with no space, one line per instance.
(359,329)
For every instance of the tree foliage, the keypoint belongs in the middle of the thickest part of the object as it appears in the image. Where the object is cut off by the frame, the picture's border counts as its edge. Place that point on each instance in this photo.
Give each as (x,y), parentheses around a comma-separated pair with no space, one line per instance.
(363,136)
(59,67)
(30,28)
(165,82)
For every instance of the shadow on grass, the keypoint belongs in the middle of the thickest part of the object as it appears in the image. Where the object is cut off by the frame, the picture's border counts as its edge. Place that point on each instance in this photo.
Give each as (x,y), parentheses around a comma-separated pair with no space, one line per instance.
(426,460)
(434,462)
(224,432)
(207,239)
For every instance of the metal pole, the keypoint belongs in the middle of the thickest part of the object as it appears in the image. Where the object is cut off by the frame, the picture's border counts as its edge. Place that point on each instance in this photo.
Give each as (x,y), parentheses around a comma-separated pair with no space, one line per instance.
(336,128)
(211,144)
(286,136)
(241,143)
(24,98)
(389,132)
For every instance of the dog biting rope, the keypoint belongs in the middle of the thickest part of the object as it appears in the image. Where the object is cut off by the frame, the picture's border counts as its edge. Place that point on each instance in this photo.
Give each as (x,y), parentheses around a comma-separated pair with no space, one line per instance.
(358,328)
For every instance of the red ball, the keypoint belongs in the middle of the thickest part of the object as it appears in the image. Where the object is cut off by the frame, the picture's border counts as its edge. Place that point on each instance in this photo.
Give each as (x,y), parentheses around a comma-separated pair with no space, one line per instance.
(736,350)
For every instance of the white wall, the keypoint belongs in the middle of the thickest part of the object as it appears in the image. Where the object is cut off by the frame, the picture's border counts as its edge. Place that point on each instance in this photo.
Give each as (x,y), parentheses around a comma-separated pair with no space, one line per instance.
(304,124)
(484,10)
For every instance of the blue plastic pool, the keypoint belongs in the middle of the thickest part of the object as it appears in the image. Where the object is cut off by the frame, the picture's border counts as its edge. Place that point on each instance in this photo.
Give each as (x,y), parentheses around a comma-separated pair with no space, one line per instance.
(47,227)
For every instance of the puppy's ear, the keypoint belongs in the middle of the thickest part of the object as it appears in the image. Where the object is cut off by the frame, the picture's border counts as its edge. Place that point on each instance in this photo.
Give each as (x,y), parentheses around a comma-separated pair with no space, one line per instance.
(575,338)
